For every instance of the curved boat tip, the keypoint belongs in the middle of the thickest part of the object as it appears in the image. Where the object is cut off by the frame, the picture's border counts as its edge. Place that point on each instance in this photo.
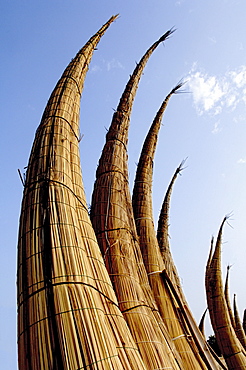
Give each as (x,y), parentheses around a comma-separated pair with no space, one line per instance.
(227,297)
(113,222)
(124,107)
(202,322)
(229,344)
(238,325)
(52,202)
(144,173)
(163,222)
(244,321)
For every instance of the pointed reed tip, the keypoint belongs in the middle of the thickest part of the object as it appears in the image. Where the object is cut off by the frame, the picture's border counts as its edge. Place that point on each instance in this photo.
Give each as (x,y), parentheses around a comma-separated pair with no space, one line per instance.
(228,267)
(112,18)
(219,237)
(229,215)
(167,35)
(177,88)
(226,218)
(205,311)
(107,24)
(181,167)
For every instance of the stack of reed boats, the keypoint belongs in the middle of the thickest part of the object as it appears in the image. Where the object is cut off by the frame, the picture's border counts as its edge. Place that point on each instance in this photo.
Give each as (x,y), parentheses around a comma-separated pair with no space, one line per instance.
(100,290)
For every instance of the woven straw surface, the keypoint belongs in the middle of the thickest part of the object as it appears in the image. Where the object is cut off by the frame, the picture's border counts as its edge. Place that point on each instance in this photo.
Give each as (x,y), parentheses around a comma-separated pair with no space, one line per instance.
(68,315)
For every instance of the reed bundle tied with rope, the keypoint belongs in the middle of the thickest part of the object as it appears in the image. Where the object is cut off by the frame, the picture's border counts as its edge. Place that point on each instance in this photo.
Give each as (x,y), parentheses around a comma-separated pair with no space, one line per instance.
(227,298)
(101,291)
(238,325)
(68,315)
(113,222)
(157,258)
(230,346)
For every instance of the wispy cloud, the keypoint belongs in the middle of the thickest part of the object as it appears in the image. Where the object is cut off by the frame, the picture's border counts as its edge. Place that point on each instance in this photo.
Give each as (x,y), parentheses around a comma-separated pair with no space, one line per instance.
(241,47)
(242,161)
(95,68)
(212,40)
(207,91)
(108,64)
(179,2)
(217,128)
(212,94)
(239,76)
(113,64)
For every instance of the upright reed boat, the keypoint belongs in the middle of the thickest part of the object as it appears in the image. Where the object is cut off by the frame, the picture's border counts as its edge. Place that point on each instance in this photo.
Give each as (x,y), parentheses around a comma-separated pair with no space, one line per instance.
(100,291)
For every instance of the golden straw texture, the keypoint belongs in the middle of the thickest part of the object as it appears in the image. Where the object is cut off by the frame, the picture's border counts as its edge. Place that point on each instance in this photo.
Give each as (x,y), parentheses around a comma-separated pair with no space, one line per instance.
(238,325)
(113,222)
(228,342)
(68,315)
(227,298)
(171,311)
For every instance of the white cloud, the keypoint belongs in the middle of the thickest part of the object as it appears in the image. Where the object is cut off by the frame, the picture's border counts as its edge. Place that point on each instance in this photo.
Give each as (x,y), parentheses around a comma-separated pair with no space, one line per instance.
(244,96)
(109,65)
(113,64)
(239,118)
(217,110)
(231,101)
(95,68)
(179,2)
(239,76)
(212,94)
(242,161)
(217,128)
(207,91)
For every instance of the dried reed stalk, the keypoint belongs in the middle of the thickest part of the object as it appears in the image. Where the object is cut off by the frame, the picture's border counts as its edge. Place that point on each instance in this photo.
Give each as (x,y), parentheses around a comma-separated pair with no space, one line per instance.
(163,234)
(238,325)
(211,361)
(113,222)
(228,342)
(220,361)
(142,191)
(68,315)
(169,308)
(244,321)
(202,323)
(226,292)
(207,277)
(171,272)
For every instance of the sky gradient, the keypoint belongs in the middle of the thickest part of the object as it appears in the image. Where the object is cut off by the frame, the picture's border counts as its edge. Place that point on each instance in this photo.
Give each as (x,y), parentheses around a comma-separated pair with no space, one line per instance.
(206,123)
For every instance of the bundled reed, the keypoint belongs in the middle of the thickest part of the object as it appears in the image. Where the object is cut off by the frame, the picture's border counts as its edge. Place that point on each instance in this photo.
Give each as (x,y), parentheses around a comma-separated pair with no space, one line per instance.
(68,315)
(202,323)
(226,292)
(163,234)
(244,321)
(228,342)
(102,292)
(170,309)
(172,276)
(207,276)
(113,222)
(142,191)
(219,360)
(171,273)
(238,325)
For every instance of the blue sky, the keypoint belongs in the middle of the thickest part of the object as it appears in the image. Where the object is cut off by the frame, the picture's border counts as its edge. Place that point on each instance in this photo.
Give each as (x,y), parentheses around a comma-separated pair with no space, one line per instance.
(207,124)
